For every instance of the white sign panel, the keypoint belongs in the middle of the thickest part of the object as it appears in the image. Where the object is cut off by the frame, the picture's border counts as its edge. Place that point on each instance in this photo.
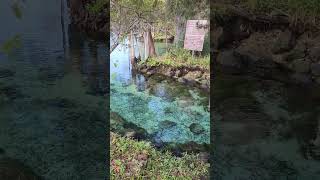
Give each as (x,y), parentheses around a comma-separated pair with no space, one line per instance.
(195,33)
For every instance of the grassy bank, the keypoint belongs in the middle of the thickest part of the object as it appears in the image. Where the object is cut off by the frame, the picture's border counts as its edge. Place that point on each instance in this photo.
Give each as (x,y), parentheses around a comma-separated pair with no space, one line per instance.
(179,58)
(131,159)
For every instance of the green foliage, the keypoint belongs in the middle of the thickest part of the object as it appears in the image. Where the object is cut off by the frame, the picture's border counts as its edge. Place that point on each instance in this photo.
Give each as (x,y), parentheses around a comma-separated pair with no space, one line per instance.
(292,6)
(126,11)
(179,57)
(303,10)
(306,11)
(98,6)
(135,16)
(139,160)
(139,15)
(179,11)
(187,8)
(11,44)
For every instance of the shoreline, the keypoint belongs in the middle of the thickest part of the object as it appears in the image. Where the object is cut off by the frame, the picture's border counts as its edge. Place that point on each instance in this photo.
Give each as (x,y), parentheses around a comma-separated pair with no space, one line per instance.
(266,46)
(192,76)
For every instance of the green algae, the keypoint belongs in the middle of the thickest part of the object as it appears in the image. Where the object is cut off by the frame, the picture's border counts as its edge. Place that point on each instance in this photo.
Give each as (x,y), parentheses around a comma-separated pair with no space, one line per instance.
(149,112)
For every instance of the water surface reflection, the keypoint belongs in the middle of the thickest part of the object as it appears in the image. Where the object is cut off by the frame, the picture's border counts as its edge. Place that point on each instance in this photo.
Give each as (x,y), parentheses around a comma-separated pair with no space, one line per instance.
(53,109)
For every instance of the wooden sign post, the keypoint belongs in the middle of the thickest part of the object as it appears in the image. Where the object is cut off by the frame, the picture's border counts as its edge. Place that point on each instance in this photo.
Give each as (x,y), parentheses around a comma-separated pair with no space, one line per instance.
(195,33)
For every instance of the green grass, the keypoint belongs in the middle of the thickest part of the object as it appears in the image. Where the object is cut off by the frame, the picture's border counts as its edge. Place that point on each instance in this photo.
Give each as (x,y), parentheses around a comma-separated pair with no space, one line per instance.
(132,159)
(178,57)
(304,11)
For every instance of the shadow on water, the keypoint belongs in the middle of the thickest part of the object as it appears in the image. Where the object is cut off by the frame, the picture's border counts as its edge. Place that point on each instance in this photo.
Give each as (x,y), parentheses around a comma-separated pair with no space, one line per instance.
(53,116)
(265,129)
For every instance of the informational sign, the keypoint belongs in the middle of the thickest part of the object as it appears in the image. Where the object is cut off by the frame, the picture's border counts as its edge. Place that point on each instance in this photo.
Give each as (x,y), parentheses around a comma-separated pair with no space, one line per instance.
(195,33)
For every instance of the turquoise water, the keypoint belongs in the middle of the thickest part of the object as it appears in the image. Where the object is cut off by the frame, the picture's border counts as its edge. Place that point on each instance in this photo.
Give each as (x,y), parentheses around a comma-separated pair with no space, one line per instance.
(165,109)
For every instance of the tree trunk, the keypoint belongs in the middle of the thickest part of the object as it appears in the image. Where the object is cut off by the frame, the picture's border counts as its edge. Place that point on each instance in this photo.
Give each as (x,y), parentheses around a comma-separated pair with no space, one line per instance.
(180,29)
(152,50)
(131,47)
(149,44)
(145,41)
(139,47)
(166,40)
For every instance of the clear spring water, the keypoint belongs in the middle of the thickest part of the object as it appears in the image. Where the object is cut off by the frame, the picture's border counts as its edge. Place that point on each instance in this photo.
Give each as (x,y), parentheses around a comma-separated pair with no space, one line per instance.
(265,129)
(53,109)
(168,111)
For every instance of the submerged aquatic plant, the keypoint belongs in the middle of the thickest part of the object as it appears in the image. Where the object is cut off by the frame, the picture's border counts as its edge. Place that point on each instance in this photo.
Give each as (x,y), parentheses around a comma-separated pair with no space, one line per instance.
(148,111)
(16,8)
(11,44)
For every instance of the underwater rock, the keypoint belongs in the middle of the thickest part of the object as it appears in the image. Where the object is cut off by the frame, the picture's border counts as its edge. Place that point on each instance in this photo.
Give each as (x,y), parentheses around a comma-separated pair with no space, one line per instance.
(315,69)
(291,56)
(302,78)
(286,41)
(73,116)
(48,76)
(158,143)
(196,128)
(204,83)
(116,118)
(227,58)
(185,102)
(185,75)
(315,152)
(4,73)
(300,65)
(12,169)
(169,72)
(144,69)
(167,124)
(168,110)
(130,134)
(11,92)
(192,75)
(245,105)
(163,91)
(151,72)
(181,80)
(61,103)
(315,53)
(206,76)
(317,80)
(97,91)
(178,73)
(128,129)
